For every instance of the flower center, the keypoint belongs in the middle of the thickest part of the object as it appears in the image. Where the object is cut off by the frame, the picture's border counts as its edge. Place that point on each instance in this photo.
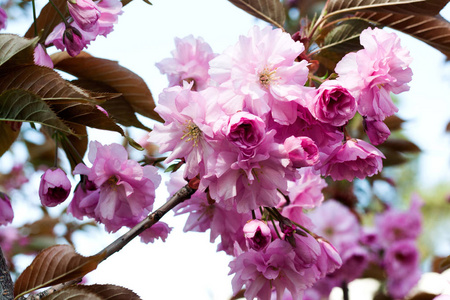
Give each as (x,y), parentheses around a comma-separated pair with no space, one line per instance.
(266,76)
(191,132)
(112,181)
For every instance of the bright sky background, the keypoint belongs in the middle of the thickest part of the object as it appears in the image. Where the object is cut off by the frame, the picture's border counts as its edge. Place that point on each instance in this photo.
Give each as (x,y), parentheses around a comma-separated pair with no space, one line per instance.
(187,265)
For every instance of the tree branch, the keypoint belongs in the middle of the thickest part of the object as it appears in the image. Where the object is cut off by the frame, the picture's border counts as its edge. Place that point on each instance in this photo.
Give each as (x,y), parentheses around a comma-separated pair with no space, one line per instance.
(183,194)
(6,284)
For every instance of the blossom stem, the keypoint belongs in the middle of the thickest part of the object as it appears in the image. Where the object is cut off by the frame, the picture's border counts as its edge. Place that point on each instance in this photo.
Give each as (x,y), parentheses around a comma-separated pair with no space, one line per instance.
(34,18)
(345,290)
(181,195)
(60,13)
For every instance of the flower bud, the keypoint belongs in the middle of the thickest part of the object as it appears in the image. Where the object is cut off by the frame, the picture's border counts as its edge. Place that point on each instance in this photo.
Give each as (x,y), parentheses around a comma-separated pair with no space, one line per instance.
(54,187)
(302,151)
(6,212)
(3,17)
(73,40)
(377,131)
(257,235)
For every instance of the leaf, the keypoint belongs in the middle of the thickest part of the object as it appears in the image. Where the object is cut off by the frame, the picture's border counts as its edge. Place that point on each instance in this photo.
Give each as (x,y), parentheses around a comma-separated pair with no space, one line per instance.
(409,7)
(271,11)
(13,46)
(23,106)
(118,108)
(47,20)
(344,37)
(41,81)
(445,263)
(54,265)
(132,87)
(8,136)
(401,145)
(93,292)
(433,30)
(394,122)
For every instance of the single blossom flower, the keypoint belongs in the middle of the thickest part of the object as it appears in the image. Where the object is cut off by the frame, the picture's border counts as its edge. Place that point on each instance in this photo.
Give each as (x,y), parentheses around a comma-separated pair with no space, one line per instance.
(333,104)
(159,230)
(355,158)
(189,62)
(54,187)
(3,18)
(262,75)
(257,235)
(372,73)
(6,211)
(41,58)
(377,131)
(302,151)
(126,190)
(85,13)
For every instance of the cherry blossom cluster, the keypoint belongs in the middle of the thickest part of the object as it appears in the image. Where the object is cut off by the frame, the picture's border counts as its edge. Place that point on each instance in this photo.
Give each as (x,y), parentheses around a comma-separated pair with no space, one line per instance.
(391,246)
(258,133)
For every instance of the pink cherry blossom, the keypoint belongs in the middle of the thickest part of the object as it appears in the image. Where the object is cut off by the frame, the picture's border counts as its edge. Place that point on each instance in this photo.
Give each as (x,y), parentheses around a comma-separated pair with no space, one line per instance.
(261,74)
(54,187)
(374,72)
(110,10)
(377,131)
(190,62)
(262,271)
(186,131)
(67,38)
(336,223)
(85,200)
(126,190)
(302,151)
(6,211)
(355,158)
(257,235)
(402,267)
(84,12)
(41,58)
(159,230)
(3,18)
(333,104)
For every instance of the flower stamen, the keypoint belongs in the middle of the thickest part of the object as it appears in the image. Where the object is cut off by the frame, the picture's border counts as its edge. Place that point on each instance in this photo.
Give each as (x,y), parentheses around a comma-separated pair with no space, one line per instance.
(191,132)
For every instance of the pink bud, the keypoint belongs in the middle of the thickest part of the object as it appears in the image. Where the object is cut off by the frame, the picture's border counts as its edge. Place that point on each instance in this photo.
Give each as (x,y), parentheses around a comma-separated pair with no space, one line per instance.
(54,187)
(3,18)
(302,151)
(6,212)
(73,40)
(257,235)
(377,131)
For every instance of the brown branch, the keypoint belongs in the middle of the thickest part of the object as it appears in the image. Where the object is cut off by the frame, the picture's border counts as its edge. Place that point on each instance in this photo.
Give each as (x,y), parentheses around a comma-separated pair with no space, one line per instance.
(6,284)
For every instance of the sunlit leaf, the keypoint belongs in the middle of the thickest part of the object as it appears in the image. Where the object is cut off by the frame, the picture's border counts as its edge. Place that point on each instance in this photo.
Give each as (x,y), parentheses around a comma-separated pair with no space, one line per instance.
(13,47)
(118,108)
(93,292)
(271,11)
(410,7)
(344,37)
(8,136)
(55,265)
(433,30)
(23,106)
(132,87)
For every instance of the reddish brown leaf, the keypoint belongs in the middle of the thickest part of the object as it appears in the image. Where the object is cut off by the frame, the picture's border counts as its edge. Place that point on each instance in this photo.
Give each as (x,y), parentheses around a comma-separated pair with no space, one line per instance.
(423,296)
(48,19)
(93,292)
(409,7)
(8,136)
(394,122)
(55,265)
(433,30)
(130,85)
(271,11)
(401,145)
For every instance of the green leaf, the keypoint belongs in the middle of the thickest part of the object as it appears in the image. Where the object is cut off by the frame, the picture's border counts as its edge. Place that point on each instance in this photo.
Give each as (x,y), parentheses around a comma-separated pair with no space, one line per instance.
(23,106)
(271,11)
(344,37)
(409,7)
(13,47)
